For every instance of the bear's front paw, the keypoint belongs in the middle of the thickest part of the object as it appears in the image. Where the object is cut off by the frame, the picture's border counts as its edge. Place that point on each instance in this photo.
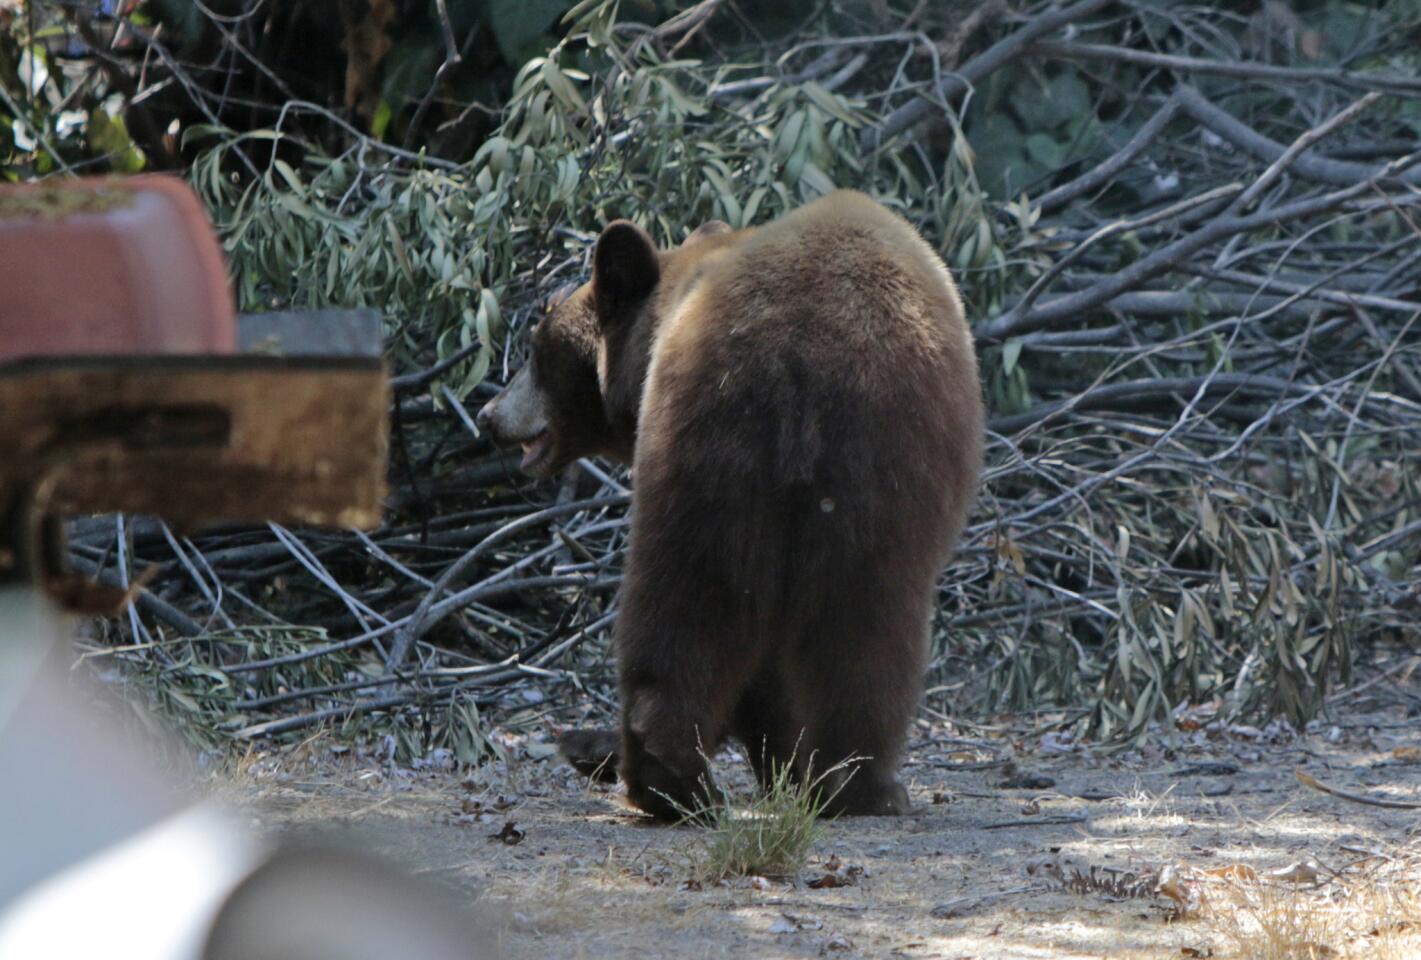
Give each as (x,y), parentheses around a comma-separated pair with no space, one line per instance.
(868,798)
(654,789)
(677,790)
(592,753)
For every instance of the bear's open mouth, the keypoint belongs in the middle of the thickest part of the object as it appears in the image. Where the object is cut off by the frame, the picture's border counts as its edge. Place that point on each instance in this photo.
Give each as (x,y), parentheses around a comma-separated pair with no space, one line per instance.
(535,451)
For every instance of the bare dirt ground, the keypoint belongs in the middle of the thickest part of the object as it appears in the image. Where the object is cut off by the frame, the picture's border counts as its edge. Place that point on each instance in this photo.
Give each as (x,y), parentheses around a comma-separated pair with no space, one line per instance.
(982,868)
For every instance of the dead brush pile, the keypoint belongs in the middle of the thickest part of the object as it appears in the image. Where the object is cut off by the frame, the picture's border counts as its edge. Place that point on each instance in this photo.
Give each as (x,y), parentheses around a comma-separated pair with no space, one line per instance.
(1190,241)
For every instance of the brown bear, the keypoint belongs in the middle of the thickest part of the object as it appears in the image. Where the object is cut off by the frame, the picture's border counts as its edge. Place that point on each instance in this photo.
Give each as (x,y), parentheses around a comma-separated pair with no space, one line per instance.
(801,409)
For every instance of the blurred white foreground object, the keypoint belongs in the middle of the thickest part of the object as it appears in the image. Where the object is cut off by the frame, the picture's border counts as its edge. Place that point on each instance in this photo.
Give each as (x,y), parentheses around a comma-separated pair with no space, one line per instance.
(100,857)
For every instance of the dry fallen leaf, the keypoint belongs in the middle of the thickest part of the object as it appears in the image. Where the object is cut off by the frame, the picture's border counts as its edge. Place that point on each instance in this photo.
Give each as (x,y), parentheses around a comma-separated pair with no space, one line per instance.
(511,834)
(1234,871)
(1242,731)
(1187,897)
(1196,716)
(839,874)
(1407,754)
(1301,872)
(792,923)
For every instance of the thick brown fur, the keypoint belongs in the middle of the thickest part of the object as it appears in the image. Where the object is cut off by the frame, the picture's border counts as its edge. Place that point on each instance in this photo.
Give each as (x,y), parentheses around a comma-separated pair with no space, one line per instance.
(804,418)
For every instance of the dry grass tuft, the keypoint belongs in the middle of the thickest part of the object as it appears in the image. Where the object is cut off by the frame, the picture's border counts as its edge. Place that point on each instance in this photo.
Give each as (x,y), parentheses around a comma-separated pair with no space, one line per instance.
(770,836)
(1376,916)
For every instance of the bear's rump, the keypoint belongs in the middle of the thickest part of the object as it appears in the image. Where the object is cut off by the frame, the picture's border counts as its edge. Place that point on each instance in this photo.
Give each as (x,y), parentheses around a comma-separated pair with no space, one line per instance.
(790,485)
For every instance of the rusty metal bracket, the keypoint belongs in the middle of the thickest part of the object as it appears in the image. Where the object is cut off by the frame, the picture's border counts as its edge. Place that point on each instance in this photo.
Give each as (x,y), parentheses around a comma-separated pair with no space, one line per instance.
(197,440)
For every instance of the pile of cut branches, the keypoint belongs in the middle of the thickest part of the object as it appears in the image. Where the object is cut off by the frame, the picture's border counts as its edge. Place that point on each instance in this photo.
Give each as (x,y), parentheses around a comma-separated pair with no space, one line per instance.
(1190,242)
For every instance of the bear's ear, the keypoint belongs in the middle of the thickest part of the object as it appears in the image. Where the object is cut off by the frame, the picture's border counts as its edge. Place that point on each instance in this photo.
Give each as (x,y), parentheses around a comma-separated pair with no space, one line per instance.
(710,228)
(624,268)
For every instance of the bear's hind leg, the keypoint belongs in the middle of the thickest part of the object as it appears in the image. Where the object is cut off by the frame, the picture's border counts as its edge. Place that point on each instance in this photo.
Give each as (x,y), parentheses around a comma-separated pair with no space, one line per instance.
(765,727)
(683,661)
(857,691)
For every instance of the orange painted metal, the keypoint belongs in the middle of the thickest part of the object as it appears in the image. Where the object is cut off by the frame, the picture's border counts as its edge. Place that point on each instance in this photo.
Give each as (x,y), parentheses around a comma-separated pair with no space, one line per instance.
(108,266)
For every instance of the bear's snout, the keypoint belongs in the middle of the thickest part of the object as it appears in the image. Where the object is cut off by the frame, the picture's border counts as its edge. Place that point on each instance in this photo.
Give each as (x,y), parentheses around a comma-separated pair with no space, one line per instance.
(518,416)
(484,419)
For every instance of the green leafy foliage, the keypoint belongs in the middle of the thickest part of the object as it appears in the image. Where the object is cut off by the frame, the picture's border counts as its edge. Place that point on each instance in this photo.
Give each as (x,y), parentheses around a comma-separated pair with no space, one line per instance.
(108,137)
(414,251)
(439,250)
(1026,127)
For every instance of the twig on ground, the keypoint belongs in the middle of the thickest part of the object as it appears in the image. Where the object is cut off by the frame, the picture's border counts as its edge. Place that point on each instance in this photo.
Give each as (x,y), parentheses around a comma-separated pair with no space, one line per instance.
(1056,821)
(1308,780)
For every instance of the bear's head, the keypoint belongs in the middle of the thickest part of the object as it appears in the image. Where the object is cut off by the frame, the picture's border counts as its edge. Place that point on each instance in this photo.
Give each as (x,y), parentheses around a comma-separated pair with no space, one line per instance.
(579,391)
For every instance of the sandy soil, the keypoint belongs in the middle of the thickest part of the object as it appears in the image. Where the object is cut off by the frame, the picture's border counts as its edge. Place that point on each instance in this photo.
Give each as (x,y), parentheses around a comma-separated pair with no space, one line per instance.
(974,872)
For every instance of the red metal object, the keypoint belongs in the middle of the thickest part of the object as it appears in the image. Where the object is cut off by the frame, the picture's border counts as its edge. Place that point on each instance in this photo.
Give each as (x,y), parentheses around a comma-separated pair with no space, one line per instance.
(109,266)
(122,387)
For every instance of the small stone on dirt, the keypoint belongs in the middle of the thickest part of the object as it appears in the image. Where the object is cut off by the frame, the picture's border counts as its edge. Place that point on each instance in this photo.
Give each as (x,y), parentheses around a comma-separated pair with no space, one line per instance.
(511,834)
(783,924)
(954,908)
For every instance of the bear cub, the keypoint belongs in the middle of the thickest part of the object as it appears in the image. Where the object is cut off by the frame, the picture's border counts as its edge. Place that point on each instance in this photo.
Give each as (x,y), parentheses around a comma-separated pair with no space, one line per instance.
(801,408)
